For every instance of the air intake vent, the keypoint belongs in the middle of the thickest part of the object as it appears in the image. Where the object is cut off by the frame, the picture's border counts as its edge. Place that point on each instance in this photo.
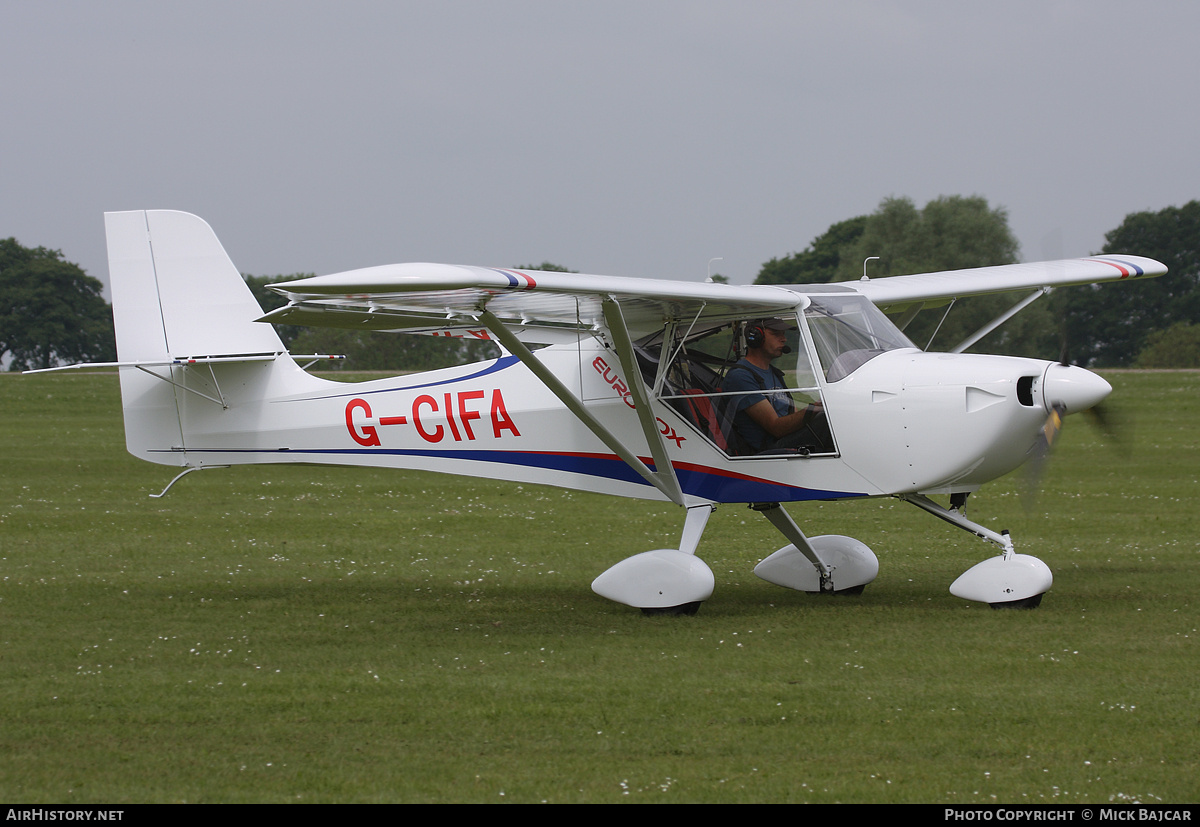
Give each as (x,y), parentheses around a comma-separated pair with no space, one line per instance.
(1025,390)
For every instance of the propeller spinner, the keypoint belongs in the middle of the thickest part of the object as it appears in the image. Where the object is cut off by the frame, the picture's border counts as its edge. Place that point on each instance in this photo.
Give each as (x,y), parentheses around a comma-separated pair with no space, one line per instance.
(1072,388)
(1065,389)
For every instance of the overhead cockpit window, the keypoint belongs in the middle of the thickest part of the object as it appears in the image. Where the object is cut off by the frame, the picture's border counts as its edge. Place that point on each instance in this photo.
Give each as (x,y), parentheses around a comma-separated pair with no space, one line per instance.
(848,332)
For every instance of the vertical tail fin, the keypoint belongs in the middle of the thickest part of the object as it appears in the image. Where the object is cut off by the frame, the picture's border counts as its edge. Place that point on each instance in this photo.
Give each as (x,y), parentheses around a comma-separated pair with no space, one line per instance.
(175,294)
(175,291)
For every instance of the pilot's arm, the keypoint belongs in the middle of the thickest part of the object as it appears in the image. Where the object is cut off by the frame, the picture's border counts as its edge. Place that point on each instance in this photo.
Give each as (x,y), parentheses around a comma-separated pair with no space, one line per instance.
(764,415)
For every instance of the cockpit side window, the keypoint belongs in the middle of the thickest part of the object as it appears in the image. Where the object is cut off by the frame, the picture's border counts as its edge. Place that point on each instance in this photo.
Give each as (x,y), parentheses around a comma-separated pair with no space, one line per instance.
(699,382)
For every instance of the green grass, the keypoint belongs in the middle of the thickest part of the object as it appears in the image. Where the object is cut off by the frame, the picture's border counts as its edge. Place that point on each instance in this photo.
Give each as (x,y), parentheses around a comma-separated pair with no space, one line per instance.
(335,635)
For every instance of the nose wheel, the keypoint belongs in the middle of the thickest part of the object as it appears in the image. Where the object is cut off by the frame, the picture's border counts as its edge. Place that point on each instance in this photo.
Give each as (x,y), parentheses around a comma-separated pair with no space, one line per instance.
(1010,581)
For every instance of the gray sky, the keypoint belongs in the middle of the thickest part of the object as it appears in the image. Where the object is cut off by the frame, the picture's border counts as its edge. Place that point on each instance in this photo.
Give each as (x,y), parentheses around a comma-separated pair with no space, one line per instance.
(628,138)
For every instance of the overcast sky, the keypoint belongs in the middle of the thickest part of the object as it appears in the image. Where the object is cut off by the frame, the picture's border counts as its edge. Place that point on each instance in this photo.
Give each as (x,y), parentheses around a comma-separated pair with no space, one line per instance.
(628,138)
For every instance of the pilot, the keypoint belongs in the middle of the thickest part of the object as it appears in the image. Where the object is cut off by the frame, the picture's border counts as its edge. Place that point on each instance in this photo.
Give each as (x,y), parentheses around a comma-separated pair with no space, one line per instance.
(765,415)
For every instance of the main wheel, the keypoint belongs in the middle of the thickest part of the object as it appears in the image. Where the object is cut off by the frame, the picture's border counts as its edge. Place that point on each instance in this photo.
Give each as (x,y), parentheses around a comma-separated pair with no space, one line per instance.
(1027,603)
(684,609)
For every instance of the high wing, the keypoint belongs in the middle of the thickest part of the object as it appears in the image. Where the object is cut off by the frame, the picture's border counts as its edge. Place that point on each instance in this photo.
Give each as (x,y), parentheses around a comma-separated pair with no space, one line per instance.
(432,297)
(905,296)
(533,304)
(900,292)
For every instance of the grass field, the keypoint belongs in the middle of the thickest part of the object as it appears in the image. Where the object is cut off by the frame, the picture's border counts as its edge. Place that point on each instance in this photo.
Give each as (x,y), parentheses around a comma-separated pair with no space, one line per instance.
(339,635)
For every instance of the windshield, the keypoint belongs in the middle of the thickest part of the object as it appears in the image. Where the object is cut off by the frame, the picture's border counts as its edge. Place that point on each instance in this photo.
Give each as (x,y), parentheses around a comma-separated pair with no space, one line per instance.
(848,332)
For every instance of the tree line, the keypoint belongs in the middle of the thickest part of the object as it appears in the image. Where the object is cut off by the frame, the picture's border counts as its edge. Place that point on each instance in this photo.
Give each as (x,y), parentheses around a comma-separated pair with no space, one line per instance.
(52,312)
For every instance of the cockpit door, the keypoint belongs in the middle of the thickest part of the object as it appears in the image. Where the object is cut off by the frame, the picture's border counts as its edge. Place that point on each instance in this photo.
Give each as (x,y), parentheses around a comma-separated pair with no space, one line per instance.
(700,371)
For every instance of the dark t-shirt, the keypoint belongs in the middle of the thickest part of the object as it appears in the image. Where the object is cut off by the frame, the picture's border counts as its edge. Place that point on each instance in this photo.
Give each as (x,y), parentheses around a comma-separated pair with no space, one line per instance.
(758,384)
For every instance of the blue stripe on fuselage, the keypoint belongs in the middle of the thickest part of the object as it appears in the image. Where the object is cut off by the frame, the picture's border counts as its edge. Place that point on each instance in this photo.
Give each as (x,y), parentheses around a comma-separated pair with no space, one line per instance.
(698,481)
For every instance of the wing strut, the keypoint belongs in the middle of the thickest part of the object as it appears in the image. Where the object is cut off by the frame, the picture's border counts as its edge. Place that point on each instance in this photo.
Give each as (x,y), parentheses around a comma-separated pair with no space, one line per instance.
(615,320)
(517,348)
(999,320)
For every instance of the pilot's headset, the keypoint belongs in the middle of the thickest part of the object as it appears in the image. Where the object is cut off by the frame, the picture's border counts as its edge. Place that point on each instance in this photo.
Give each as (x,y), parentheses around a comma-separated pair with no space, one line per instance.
(754,333)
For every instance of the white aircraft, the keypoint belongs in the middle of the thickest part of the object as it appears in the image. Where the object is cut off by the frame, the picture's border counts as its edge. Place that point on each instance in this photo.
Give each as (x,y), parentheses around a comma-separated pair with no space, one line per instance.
(634,394)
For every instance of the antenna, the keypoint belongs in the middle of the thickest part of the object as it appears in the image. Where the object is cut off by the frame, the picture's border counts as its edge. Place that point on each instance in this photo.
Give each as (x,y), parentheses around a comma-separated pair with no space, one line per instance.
(710,262)
(865,260)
